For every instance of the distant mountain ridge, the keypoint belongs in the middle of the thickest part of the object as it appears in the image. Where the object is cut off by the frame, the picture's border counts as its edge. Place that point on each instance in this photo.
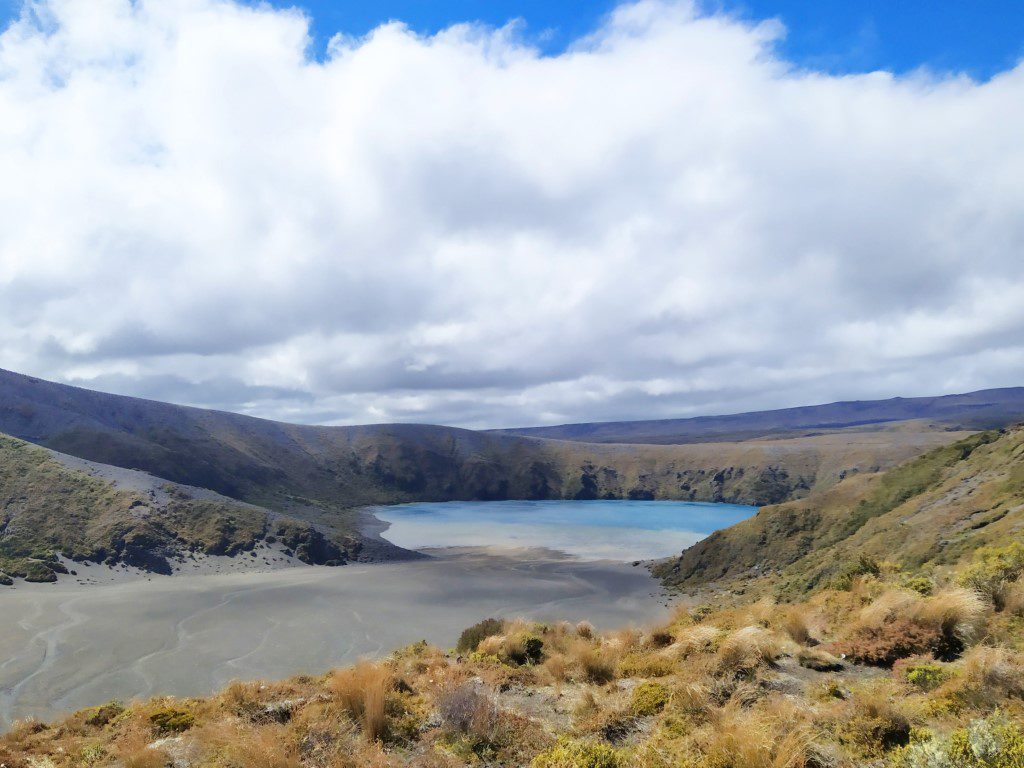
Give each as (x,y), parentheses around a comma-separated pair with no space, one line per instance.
(983,409)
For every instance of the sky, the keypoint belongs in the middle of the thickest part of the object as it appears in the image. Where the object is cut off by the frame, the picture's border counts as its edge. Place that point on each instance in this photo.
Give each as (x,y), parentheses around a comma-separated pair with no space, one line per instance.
(512,213)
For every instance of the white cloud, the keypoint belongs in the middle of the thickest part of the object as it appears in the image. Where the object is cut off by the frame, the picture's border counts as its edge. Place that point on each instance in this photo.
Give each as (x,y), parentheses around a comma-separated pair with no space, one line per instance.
(665,219)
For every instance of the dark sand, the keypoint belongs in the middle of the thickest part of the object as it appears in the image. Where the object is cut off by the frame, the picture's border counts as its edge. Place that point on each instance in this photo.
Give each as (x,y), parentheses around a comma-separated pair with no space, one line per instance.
(68,646)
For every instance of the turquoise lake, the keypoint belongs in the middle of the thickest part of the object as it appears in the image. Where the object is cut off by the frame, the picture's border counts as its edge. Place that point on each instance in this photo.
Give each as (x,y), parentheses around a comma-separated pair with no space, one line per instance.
(592,530)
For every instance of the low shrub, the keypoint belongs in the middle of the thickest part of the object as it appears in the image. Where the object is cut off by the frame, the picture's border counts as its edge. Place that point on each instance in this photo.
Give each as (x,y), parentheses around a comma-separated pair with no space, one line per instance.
(882,646)
(920,584)
(864,565)
(926,676)
(645,665)
(103,714)
(172,720)
(876,723)
(470,638)
(648,699)
(467,710)
(989,743)
(573,753)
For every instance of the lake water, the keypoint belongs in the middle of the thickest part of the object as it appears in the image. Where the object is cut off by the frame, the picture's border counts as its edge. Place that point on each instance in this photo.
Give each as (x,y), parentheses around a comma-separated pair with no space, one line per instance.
(592,530)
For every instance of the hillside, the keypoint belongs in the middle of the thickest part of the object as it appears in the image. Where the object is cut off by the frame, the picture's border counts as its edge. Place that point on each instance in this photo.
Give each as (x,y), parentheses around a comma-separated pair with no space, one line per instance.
(984,409)
(928,513)
(321,474)
(49,508)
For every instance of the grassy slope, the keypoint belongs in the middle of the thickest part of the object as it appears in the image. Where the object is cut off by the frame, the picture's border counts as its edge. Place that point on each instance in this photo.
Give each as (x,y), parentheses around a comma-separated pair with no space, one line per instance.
(929,512)
(46,508)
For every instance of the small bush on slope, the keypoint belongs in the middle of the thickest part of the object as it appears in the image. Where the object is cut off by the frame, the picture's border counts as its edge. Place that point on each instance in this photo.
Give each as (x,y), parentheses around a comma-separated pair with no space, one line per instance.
(470,638)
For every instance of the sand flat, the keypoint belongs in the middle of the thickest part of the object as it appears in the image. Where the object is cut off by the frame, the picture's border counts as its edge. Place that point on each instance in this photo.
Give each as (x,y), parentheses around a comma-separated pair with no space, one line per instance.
(68,646)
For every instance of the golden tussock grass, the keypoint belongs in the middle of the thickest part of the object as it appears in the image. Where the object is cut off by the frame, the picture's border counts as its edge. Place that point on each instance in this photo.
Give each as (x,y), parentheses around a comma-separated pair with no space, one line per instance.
(1013,602)
(748,648)
(956,612)
(697,639)
(885,607)
(585,629)
(362,691)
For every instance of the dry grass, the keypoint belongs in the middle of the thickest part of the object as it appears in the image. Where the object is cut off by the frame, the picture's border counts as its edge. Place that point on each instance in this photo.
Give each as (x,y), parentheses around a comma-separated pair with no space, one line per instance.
(956,612)
(886,607)
(748,648)
(795,621)
(1014,598)
(594,665)
(699,639)
(585,630)
(362,692)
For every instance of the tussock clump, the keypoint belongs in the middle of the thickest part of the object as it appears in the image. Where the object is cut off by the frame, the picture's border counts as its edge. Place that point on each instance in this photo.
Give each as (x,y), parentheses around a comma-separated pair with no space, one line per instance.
(795,621)
(702,638)
(888,606)
(585,630)
(982,680)
(959,615)
(595,665)
(362,691)
(818,660)
(1014,598)
(748,648)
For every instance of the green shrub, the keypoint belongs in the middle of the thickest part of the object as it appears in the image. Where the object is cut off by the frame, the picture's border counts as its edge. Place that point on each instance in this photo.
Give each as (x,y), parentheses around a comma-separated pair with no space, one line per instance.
(100,716)
(920,584)
(172,720)
(645,665)
(864,565)
(927,677)
(91,754)
(648,699)
(570,753)
(471,636)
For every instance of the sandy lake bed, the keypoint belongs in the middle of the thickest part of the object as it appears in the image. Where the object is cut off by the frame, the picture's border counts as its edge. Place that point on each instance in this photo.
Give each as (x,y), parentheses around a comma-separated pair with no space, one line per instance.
(66,646)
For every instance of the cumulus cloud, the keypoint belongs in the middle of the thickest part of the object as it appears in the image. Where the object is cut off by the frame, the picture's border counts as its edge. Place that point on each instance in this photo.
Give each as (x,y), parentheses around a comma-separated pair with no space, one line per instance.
(665,219)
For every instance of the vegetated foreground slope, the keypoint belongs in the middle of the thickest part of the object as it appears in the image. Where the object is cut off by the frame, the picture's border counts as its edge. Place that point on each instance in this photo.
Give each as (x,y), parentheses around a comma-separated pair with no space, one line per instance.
(985,409)
(47,508)
(892,668)
(321,473)
(930,512)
